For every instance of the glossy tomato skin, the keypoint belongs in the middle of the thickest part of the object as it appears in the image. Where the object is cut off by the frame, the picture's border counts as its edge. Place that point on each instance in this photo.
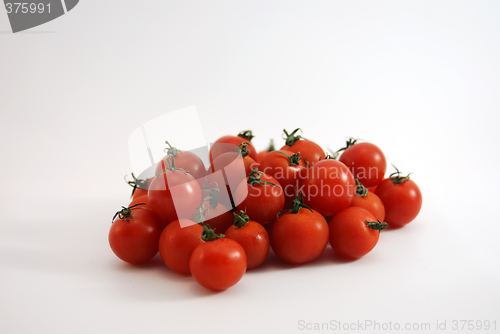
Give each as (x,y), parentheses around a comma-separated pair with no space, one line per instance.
(230,161)
(372,203)
(228,144)
(308,149)
(402,201)
(277,165)
(328,187)
(218,264)
(261,202)
(350,235)
(367,161)
(254,239)
(219,218)
(170,184)
(299,237)
(177,243)
(188,161)
(135,239)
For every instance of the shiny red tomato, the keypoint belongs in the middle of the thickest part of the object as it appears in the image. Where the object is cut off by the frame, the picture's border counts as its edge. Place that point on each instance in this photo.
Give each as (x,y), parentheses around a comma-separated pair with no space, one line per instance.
(299,235)
(229,143)
(252,236)
(328,187)
(174,194)
(134,234)
(309,150)
(368,200)
(287,168)
(366,161)
(186,160)
(354,232)
(261,196)
(402,199)
(218,263)
(177,242)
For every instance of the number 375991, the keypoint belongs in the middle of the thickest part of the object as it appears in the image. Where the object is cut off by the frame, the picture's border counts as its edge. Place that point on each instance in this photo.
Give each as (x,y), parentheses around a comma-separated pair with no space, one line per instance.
(24,7)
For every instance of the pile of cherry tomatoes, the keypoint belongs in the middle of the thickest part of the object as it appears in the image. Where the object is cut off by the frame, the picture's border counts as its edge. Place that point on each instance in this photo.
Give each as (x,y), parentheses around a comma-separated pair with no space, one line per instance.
(215,223)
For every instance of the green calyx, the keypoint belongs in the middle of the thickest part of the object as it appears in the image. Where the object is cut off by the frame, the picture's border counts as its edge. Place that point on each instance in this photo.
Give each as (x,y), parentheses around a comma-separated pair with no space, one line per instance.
(297,205)
(171,166)
(126,213)
(294,158)
(137,183)
(209,234)
(241,219)
(247,134)
(254,178)
(172,151)
(271,146)
(360,188)
(213,195)
(377,226)
(291,138)
(199,214)
(243,148)
(349,142)
(397,178)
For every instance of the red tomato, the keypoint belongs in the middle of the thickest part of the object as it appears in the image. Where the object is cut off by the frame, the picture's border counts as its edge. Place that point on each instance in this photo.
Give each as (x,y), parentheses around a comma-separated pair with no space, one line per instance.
(177,242)
(134,234)
(214,213)
(300,235)
(185,160)
(233,160)
(218,264)
(328,187)
(252,236)
(366,161)
(354,232)
(229,143)
(402,199)
(261,196)
(309,150)
(174,194)
(287,168)
(368,200)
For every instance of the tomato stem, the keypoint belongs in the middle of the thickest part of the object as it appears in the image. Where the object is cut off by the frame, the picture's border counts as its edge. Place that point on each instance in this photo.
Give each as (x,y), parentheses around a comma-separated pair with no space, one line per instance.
(243,148)
(254,178)
(297,205)
(349,142)
(294,158)
(137,183)
(199,215)
(171,166)
(377,226)
(240,220)
(247,134)
(271,146)
(209,234)
(398,179)
(360,188)
(171,151)
(213,195)
(291,138)
(126,213)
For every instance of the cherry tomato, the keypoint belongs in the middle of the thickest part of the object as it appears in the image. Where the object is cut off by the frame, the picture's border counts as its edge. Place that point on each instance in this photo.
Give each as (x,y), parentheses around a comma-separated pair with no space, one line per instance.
(299,235)
(177,242)
(309,150)
(354,232)
(185,160)
(287,168)
(328,187)
(261,196)
(218,263)
(252,236)
(366,161)
(402,199)
(174,194)
(229,143)
(368,200)
(134,234)
(233,160)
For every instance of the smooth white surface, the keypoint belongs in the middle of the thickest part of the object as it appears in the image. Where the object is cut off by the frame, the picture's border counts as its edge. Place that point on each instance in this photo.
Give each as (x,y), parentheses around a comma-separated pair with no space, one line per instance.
(420,79)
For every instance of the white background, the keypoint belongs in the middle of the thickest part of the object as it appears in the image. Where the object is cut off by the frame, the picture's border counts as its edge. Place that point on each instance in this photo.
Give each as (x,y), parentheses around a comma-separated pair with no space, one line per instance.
(418,78)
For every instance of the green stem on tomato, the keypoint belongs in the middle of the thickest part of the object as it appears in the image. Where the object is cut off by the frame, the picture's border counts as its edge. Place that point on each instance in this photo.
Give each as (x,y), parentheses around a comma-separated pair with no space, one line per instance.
(209,234)
(377,226)
(247,134)
(297,205)
(240,220)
